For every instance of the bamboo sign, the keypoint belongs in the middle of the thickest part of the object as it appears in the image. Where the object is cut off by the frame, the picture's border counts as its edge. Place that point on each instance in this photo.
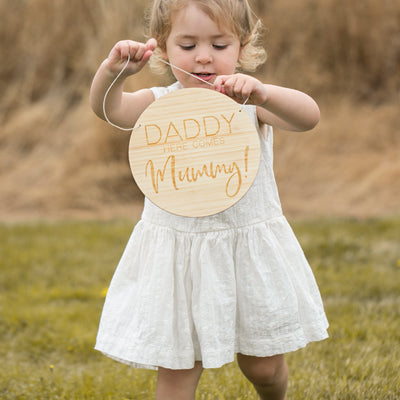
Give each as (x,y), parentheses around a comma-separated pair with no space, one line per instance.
(194,152)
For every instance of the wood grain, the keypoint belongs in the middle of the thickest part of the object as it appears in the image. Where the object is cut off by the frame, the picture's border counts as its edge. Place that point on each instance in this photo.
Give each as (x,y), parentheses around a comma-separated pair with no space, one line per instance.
(194,152)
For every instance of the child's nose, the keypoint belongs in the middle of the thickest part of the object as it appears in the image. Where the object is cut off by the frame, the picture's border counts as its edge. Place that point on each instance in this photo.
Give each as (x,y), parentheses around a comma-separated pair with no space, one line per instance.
(203,56)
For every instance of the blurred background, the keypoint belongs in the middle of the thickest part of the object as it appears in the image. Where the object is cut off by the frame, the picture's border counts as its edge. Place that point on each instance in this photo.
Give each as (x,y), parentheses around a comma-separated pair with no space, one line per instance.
(57,160)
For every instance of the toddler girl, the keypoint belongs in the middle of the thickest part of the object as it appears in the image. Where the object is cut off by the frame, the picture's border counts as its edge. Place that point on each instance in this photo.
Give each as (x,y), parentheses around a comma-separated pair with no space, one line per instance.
(191,293)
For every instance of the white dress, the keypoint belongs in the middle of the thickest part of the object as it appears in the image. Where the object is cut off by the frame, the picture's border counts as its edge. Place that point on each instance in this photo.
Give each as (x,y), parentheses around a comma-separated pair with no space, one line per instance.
(207,288)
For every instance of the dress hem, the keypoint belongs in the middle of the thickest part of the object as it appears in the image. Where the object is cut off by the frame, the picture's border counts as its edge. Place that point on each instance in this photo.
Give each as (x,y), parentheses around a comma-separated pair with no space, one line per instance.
(220,358)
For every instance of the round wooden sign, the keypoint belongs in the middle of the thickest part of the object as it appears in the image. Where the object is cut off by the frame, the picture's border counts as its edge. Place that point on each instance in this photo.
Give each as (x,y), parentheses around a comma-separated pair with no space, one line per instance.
(194,152)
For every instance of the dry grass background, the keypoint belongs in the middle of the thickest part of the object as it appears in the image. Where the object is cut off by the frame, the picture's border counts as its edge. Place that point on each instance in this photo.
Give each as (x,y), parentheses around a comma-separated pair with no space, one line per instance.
(58,160)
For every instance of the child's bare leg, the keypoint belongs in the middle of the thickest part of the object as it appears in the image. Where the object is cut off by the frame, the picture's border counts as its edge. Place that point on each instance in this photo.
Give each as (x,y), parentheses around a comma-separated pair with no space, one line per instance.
(269,375)
(178,384)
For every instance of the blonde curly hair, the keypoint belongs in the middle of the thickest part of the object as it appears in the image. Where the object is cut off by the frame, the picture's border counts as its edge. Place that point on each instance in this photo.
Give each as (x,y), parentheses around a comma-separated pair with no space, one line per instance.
(241,20)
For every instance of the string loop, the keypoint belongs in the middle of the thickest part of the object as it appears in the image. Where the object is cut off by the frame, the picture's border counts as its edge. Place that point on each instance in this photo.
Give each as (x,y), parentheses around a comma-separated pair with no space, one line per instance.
(122,71)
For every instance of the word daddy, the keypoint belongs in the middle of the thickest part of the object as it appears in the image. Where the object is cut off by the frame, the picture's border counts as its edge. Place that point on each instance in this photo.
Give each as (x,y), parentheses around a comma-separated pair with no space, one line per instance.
(188,129)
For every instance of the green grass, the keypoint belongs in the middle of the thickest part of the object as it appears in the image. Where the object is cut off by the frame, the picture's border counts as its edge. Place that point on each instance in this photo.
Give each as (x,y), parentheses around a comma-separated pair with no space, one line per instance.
(52,282)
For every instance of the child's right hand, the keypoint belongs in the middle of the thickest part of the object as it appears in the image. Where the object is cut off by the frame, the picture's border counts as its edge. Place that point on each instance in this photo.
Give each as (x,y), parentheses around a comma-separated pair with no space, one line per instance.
(139,54)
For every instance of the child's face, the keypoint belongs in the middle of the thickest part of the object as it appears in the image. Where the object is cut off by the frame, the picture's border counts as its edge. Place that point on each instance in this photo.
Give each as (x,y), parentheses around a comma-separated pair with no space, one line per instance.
(197,45)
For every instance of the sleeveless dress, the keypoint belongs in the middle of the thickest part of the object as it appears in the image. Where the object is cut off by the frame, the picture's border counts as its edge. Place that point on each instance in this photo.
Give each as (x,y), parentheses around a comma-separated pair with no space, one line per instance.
(206,288)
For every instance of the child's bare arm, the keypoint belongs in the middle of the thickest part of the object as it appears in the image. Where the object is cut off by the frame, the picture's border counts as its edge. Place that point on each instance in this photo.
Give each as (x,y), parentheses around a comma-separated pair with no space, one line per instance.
(122,108)
(277,106)
(288,109)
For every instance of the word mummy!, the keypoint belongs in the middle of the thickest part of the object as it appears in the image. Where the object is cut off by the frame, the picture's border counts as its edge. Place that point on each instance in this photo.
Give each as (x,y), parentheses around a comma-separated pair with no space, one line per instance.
(211,170)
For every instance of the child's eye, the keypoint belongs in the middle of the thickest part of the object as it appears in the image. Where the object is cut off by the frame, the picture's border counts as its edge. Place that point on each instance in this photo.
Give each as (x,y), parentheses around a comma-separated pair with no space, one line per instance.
(187,46)
(220,46)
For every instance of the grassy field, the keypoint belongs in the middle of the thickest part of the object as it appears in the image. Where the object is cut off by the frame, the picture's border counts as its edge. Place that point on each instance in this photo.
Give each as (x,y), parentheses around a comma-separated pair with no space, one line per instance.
(53,278)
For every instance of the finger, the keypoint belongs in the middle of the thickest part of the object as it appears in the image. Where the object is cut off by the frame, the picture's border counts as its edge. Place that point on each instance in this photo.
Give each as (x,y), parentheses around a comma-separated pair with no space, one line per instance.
(238,88)
(149,47)
(247,90)
(219,83)
(124,48)
(115,52)
(231,87)
(151,44)
(137,52)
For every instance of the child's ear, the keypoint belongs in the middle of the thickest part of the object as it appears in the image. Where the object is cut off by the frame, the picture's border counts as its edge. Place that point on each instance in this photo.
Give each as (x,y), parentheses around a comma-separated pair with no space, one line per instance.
(243,46)
(245,41)
(163,54)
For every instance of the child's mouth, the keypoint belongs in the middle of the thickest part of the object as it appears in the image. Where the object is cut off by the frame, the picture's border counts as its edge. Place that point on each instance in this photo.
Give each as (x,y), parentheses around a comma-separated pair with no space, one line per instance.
(205,76)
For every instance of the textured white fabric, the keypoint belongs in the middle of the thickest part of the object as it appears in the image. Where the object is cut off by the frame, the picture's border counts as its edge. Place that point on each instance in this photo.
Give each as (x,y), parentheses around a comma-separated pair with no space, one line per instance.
(206,288)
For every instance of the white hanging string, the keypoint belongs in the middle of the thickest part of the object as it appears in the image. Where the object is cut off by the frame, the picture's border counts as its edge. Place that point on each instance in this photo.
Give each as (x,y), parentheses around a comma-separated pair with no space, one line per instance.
(122,71)
(194,76)
(106,94)
(182,70)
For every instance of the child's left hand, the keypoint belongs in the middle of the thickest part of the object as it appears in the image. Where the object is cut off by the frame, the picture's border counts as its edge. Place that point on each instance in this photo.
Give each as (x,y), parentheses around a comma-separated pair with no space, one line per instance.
(241,87)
